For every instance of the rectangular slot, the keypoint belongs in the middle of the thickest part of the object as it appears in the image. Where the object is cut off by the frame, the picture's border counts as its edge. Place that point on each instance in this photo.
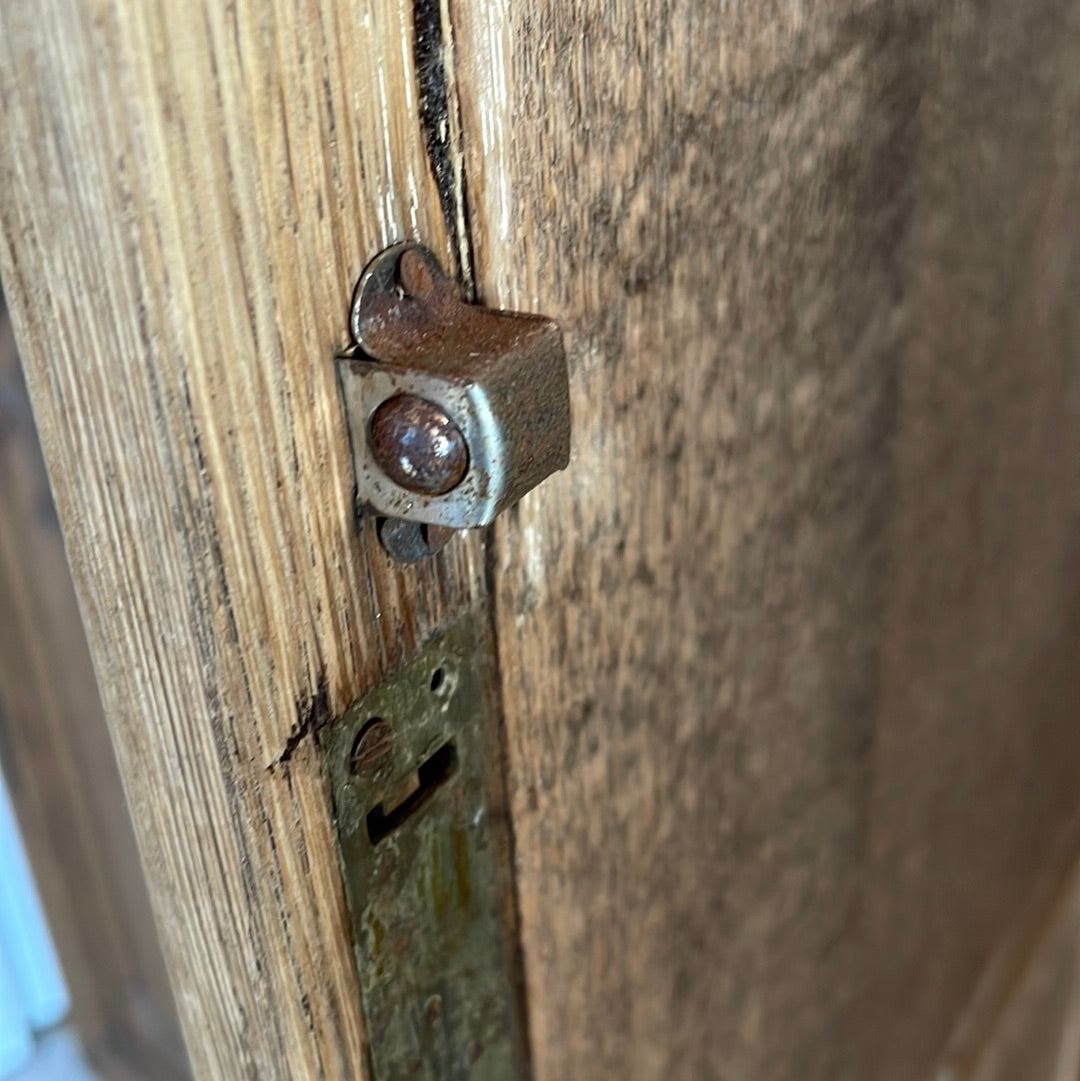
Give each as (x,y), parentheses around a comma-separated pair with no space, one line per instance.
(382,820)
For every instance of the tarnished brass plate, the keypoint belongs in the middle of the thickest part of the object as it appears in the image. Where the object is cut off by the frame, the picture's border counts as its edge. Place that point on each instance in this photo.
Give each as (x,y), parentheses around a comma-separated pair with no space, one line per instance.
(415,769)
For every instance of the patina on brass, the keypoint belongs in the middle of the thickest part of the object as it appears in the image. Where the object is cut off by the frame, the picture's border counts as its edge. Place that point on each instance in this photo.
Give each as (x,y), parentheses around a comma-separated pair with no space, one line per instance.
(421,822)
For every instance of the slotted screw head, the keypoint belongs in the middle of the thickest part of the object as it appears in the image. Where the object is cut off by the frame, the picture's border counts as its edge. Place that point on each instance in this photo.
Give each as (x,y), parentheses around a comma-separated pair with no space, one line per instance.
(418,446)
(372,747)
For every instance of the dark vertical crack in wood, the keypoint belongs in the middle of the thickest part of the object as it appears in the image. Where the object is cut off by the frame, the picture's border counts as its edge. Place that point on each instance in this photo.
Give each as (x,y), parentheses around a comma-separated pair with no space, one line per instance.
(440,121)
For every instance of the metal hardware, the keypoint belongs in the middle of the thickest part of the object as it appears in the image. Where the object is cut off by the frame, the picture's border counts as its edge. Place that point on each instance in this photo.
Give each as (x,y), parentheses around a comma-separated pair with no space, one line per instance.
(414,770)
(411,542)
(456,411)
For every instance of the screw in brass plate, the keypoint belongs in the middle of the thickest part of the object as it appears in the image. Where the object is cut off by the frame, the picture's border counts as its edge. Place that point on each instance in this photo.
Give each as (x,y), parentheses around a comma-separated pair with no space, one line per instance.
(372,746)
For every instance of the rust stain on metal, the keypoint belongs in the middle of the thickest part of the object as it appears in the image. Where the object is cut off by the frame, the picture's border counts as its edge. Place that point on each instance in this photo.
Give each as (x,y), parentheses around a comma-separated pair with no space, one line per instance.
(412,542)
(418,446)
(373,746)
(483,405)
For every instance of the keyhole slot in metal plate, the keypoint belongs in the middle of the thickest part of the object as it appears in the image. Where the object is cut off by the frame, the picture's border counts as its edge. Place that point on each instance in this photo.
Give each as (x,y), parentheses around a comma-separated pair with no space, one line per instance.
(413,793)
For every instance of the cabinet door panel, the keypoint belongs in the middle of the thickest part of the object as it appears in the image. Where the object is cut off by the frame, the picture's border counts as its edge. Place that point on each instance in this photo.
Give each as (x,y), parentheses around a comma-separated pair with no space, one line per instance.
(788,653)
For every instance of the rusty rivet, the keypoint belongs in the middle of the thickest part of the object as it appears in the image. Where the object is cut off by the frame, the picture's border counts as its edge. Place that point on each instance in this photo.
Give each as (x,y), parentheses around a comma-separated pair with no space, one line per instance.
(412,542)
(418,446)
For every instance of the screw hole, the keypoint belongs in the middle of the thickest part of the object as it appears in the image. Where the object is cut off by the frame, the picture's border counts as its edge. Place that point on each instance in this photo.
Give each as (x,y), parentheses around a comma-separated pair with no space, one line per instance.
(438,681)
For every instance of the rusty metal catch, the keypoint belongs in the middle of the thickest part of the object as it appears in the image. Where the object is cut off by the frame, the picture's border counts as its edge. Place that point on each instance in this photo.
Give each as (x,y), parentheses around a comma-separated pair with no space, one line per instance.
(455,410)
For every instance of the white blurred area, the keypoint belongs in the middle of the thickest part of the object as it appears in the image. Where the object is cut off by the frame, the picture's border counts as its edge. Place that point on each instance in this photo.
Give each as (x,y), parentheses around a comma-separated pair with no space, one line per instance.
(33,998)
(57,1057)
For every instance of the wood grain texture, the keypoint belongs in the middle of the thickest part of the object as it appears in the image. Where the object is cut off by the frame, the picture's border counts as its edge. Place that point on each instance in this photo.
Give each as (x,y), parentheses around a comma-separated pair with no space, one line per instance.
(789,653)
(59,766)
(187,196)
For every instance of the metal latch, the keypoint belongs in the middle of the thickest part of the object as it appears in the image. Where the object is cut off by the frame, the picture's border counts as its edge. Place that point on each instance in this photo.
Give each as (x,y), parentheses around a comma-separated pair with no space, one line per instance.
(455,410)
(421,820)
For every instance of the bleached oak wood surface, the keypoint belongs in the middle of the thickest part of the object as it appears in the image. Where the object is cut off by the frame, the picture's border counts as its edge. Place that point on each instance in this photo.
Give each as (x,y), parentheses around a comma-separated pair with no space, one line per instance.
(60,770)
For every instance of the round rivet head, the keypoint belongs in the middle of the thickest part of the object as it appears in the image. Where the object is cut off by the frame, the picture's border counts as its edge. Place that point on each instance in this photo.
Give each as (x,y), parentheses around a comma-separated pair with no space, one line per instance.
(418,446)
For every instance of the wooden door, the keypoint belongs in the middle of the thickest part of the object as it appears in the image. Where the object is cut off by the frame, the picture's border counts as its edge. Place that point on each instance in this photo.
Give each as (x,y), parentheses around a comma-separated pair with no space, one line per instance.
(787,656)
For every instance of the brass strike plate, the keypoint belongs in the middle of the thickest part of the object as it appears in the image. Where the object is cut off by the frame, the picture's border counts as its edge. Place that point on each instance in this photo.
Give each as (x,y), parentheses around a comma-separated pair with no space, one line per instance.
(421,825)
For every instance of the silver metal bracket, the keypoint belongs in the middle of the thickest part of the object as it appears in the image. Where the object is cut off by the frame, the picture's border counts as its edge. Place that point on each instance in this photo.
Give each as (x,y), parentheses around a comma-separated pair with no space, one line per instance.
(421,820)
(498,379)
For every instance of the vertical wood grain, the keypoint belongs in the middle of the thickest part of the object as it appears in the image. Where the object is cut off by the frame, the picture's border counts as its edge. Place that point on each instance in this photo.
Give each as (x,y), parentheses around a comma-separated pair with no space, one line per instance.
(187,195)
(789,652)
(60,769)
